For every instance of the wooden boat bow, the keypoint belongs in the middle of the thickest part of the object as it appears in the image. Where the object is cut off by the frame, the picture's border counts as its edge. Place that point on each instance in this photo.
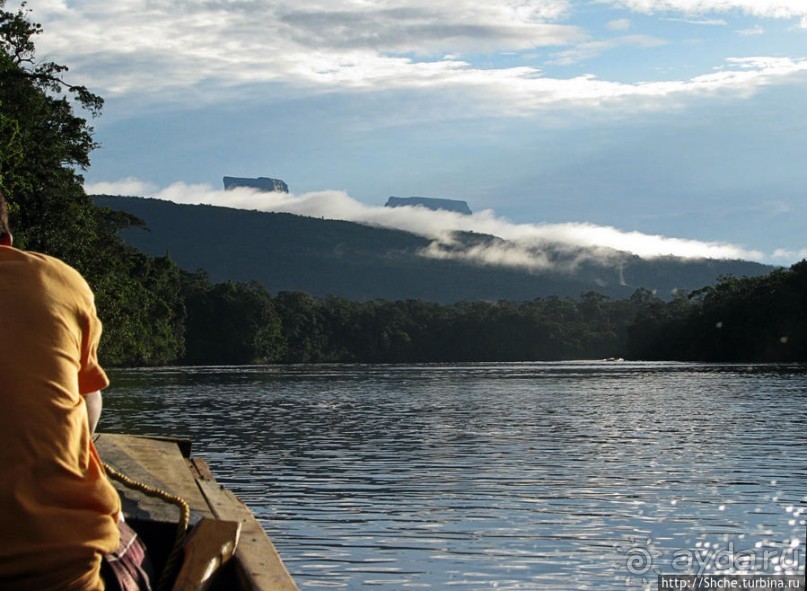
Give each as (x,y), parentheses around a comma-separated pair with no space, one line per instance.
(236,553)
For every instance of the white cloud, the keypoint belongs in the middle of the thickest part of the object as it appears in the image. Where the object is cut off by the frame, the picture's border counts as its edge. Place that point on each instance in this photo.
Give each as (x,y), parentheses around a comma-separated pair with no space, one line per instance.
(427,28)
(621,24)
(739,76)
(752,32)
(122,45)
(522,245)
(196,52)
(762,8)
(128,186)
(592,49)
(705,22)
(785,255)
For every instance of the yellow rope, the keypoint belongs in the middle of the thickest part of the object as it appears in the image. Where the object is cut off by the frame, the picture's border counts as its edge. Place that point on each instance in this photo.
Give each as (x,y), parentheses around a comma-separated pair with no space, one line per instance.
(172,564)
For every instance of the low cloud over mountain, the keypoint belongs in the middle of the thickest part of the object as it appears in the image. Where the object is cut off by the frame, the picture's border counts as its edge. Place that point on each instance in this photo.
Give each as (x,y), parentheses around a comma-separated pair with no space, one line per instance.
(521,246)
(403,253)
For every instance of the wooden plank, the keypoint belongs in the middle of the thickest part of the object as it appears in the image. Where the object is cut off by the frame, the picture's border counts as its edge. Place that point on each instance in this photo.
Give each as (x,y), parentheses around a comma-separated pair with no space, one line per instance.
(209,546)
(257,562)
(199,469)
(157,463)
(184,444)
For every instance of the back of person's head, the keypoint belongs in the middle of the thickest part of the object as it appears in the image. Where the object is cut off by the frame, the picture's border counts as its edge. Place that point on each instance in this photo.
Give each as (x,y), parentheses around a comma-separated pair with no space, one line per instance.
(5,230)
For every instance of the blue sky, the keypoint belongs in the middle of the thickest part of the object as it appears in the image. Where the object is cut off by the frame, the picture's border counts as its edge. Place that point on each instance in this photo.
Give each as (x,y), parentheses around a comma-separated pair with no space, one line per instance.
(655,126)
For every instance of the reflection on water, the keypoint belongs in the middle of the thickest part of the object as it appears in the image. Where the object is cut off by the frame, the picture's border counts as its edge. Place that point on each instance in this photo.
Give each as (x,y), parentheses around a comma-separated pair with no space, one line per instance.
(506,476)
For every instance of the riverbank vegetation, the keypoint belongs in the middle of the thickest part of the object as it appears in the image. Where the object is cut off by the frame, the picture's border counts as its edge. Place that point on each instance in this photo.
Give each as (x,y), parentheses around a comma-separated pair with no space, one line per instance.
(760,319)
(155,313)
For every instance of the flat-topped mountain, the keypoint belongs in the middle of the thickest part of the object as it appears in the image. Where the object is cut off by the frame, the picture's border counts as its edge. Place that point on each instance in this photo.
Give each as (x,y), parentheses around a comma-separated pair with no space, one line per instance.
(431,203)
(261,183)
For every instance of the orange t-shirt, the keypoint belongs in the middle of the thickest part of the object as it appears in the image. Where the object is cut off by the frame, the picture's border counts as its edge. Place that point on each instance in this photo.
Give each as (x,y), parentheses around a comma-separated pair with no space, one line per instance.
(57,508)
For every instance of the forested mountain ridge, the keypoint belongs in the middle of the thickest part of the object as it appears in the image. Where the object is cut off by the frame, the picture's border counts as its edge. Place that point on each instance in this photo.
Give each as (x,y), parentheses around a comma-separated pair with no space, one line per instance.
(321,257)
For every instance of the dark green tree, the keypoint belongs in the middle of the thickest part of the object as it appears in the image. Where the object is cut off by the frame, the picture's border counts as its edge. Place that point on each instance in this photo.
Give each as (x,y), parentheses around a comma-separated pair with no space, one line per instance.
(750,319)
(303,326)
(230,323)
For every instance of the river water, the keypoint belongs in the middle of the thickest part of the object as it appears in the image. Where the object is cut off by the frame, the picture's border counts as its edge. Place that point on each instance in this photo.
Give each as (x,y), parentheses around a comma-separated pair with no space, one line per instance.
(568,476)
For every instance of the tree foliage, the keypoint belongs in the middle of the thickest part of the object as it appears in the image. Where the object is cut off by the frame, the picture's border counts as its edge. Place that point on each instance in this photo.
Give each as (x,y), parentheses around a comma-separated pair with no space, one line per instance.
(230,323)
(754,319)
(757,319)
(333,329)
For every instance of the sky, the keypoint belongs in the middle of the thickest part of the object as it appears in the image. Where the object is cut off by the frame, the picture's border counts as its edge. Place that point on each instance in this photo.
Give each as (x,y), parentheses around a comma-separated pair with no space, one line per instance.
(653,126)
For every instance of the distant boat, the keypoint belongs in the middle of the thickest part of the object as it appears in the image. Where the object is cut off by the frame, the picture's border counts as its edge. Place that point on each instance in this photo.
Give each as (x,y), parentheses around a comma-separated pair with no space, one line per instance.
(225,549)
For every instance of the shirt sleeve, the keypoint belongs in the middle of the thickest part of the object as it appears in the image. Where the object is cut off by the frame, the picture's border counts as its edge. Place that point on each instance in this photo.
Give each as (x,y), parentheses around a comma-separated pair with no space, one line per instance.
(91,376)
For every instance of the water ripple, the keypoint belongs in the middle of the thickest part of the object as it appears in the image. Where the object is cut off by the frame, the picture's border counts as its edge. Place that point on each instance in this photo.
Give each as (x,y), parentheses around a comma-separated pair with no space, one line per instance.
(505,476)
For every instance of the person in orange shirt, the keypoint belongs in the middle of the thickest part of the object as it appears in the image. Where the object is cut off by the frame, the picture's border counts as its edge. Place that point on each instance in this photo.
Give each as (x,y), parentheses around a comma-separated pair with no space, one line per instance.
(59,514)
